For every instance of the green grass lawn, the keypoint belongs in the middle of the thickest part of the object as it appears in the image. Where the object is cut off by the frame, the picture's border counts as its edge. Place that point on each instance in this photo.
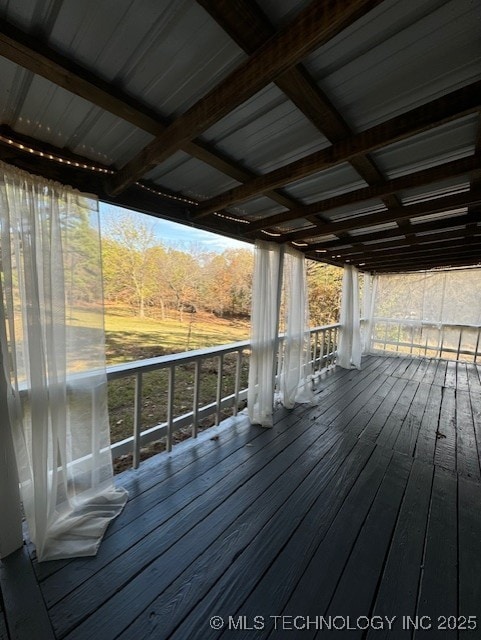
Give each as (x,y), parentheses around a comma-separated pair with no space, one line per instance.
(130,338)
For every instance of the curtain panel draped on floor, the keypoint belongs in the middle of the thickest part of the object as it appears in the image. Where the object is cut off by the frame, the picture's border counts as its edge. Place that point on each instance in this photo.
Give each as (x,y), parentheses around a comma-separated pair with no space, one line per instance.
(52,339)
(278,267)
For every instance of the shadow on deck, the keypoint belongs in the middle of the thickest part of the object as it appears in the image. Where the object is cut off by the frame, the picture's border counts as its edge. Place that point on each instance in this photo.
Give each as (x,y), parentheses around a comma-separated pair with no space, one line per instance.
(364,506)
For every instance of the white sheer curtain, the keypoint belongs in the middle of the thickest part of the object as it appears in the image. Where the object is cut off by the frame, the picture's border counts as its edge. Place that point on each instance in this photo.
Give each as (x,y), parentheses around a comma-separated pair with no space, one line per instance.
(427,313)
(54,360)
(349,348)
(264,331)
(296,370)
(368,300)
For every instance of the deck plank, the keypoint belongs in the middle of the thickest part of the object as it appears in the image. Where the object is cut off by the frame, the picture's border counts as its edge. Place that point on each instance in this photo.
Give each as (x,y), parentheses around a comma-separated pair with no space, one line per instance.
(288,560)
(469,495)
(210,514)
(467,458)
(359,489)
(420,374)
(409,432)
(313,595)
(398,590)
(445,452)
(438,593)
(427,437)
(462,382)
(390,432)
(450,379)
(377,421)
(440,375)
(231,576)
(430,371)
(357,586)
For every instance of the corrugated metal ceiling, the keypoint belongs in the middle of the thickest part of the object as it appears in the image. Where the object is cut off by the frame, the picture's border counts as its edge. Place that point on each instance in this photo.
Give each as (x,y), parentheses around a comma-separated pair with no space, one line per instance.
(167,55)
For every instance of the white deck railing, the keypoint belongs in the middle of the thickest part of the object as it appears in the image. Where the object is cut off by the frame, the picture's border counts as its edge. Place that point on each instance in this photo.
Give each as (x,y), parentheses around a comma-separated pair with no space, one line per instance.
(323,354)
(432,339)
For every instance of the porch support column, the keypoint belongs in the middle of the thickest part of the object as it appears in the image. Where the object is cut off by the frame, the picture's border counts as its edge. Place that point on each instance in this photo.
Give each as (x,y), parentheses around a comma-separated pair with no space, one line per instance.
(11,537)
(349,349)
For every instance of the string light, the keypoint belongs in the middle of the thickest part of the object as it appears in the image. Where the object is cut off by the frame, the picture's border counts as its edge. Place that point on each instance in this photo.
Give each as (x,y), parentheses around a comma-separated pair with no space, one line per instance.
(223,215)
(274,235)
(88,167)
(55,158)
(170,196)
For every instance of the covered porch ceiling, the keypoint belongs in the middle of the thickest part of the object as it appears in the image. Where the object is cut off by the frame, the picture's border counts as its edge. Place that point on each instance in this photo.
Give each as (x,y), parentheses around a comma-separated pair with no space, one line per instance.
(350,128)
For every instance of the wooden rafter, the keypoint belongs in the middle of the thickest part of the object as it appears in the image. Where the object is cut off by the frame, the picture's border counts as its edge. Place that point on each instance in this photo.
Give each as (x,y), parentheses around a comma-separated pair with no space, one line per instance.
(250,28)
(472,218)
(437,205)
(36,56)
(469,166)
(434,259)
(428,116)
(455,242)
(313,26)
(436,239)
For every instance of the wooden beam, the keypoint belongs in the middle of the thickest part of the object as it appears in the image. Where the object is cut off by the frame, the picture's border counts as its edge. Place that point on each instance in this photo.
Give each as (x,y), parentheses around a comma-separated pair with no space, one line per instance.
(436,205)
(428,116)
(469,166)
(471,218)
(36,56)
(312,27)
(390,246)
(437,258)
(425,250)
(422,266)
(250,28)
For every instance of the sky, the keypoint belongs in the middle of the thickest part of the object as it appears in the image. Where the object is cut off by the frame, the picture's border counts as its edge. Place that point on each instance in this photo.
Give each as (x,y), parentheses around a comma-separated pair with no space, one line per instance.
(173,234)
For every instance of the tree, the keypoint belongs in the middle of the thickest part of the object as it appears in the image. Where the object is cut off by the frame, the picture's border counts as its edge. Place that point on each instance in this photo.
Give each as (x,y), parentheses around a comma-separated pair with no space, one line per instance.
(324,283)
(128,261)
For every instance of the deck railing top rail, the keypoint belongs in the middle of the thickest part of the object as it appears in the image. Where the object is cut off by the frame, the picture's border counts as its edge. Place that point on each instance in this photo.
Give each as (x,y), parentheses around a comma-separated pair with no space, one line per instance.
(323,353)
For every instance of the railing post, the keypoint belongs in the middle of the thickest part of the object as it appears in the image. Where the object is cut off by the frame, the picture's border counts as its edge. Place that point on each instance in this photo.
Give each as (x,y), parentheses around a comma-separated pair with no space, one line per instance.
(219,390)
(137,419)
(316,346)
(323,349)
(195,408)
(459,343)
(170,407)
(238,368)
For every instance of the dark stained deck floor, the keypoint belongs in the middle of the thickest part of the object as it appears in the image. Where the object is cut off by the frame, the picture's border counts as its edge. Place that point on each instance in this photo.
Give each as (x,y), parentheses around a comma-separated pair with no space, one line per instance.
(366,504)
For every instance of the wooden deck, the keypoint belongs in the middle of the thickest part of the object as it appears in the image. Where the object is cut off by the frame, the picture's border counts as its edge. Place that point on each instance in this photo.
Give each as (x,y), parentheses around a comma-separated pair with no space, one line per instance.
(366,505)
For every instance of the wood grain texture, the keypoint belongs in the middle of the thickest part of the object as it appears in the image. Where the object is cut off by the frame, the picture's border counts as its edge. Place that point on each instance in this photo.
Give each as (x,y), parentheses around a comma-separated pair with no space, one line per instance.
(438,591)
(344,490)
